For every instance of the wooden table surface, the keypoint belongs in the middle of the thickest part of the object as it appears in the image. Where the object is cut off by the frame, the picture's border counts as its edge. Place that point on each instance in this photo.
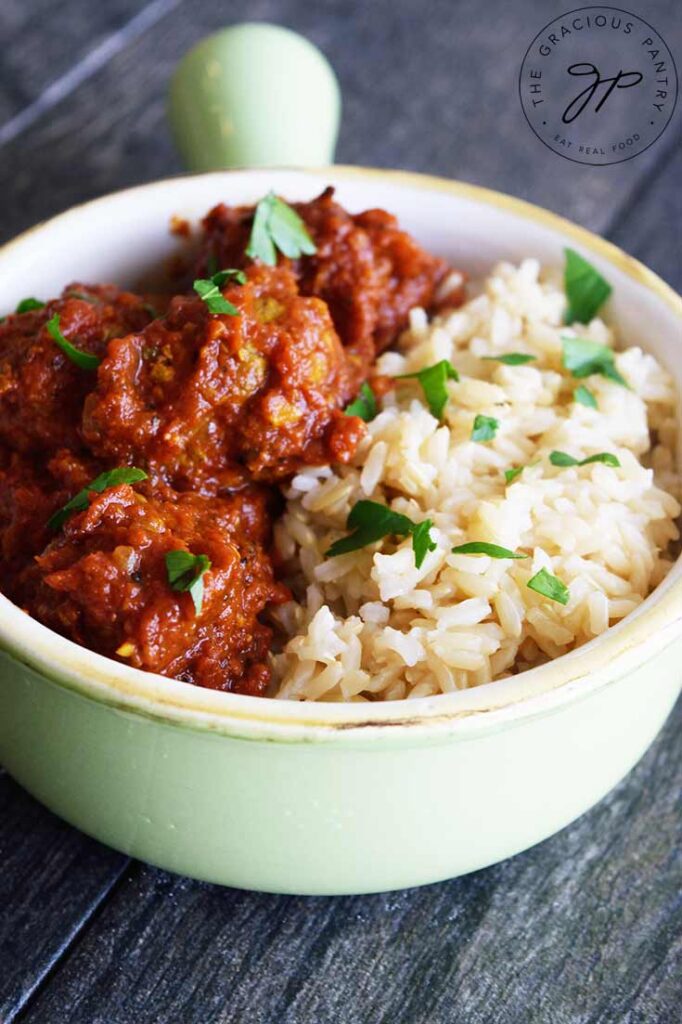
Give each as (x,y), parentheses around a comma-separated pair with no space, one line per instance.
(586,927)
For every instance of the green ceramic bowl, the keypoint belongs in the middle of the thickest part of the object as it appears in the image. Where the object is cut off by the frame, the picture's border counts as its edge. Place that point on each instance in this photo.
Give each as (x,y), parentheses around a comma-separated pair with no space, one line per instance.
(314,798)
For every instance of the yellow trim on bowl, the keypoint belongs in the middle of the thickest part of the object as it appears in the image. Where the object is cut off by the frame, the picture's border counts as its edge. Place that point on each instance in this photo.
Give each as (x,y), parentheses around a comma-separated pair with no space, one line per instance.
(535,692)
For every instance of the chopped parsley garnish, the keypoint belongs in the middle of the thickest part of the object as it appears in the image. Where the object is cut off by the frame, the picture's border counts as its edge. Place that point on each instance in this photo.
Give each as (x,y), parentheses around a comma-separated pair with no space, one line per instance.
(582,357)
(485,428)
(208,289)
(111,478)
(549,586)
(433,380)
(511,474)
(364,406)
(586,290)
(371,521)
(277,226)
(511,358)
(185,574)
(479,547)
(85,360)
(26,305)
(584,396)
(564,459)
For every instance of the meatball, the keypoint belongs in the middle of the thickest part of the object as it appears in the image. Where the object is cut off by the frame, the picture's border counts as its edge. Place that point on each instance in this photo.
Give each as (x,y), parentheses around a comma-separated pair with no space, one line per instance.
(205,402)
(41,389)
(368,271)
(103,582)
(30,492)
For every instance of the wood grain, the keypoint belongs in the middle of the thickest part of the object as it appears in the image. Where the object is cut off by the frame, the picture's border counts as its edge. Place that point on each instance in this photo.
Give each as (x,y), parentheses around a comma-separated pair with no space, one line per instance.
(51,881)
(43,41)
(646,225)
(435,93)
(584,929)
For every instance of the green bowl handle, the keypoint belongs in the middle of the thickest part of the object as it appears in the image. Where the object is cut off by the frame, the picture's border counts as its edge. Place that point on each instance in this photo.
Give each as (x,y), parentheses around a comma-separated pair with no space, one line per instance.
(255,95)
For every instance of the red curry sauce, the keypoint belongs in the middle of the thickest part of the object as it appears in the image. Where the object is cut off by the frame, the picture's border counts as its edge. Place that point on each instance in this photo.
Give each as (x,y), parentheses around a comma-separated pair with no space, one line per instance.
(216,409)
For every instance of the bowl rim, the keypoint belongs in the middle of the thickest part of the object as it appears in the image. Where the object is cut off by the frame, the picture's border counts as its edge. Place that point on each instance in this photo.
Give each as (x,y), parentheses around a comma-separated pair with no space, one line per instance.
(539,691)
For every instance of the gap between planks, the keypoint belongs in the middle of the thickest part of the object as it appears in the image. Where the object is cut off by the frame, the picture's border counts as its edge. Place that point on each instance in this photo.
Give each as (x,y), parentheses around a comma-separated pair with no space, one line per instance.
(88,66)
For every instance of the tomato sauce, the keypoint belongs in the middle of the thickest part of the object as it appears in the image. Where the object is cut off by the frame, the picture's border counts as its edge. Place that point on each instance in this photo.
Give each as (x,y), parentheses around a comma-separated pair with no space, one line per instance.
(217,409)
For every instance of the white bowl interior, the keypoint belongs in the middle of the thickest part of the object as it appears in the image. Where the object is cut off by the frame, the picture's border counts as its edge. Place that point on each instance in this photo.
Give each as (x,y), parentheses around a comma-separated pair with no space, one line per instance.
(119,237)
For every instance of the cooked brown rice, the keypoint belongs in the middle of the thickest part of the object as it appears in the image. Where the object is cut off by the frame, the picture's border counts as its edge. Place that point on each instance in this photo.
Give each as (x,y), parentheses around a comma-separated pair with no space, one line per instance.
(369,624)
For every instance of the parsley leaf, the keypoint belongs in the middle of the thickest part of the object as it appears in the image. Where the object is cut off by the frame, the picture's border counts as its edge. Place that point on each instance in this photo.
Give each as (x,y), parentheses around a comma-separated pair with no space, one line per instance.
(582,357)
(26,305)
(433,380)
(479,547)
(85,360)
(185,573)
(277,226)
(564,459)
(208,289)
(511,358)
(511,474)
(79,502)
(549,586)
(485,428)
(422,542)
(584,396)
(364,406)
(586,290)
(371,521)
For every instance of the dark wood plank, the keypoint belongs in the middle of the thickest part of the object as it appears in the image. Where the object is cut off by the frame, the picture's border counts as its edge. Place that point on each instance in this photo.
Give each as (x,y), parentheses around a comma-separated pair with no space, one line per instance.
(430,87)
(648,224)
(51,881)
(44,42)
(586,927)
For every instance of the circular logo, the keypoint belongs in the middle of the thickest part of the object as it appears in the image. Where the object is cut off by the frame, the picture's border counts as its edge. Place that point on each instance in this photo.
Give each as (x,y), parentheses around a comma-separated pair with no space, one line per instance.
(598,85)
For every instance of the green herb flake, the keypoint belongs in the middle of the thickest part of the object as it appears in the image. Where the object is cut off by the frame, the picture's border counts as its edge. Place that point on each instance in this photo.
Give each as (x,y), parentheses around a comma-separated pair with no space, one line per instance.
(582,357)
(277,226)
(511,358)
(26,305)
(586,290)
(186,574)
(549,586)
(80,501)
(422,541)
(433,380)
(84,360)
(564,459)
(209,289)
(584,396)
(485,428)
(511,474)
(371,521)
(364,406)
(477,547)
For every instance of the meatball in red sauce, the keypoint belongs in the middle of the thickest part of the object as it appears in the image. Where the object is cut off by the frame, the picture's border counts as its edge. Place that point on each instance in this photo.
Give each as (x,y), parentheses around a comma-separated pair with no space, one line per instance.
(103,581)
(212,400)
(368,271)
(41,389)
(206,401)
